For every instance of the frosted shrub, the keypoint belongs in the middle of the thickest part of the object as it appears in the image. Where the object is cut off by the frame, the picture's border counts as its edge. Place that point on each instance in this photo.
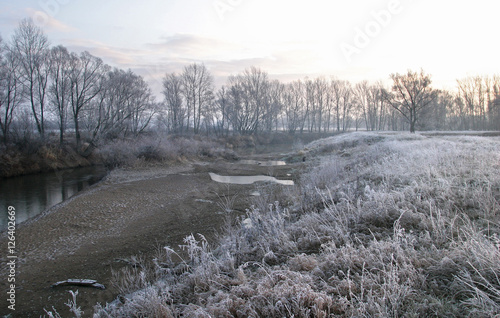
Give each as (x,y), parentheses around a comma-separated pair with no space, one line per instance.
(148,302)
(73,307)
(262,232)
(117,153)
(124,152)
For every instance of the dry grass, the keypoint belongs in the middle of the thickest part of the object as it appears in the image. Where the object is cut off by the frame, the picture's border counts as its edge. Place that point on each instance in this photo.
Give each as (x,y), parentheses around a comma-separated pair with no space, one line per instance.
(157,149)
(380,226)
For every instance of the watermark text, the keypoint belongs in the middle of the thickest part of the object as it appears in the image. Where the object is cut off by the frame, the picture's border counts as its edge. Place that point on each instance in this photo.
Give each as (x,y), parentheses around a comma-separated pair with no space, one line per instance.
(11,258)
(50,9)
(363,36)
(224,6)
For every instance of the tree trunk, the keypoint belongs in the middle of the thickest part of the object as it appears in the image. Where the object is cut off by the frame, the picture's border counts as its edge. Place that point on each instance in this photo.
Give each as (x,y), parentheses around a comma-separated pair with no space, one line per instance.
(77,133)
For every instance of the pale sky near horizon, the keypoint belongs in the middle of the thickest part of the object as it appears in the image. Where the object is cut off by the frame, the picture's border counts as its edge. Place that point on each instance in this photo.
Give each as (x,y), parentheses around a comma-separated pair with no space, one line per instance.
(351,40)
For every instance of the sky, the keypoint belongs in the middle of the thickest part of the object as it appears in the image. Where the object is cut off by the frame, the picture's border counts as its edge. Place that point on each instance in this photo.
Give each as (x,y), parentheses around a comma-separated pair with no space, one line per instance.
(290,39)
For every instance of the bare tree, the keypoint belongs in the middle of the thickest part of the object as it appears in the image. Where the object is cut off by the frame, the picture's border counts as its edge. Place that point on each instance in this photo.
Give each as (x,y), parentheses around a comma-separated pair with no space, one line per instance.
(273,105)
(438,115)
(373,105)
(300,104)
(248,93)
(60,85)
(469,93)
(494,103)
(348,101)
(11,88)
(114,98)
(234,107)
(86,83)
(124,106)
(198,92)
(30,45)
(310,104)
(294,106)
(172,92)
(495,113)
(141,106)
(411,94)
(336,88)
(320,98)
(477,94)
(222,104)
(342,102)
(357,112)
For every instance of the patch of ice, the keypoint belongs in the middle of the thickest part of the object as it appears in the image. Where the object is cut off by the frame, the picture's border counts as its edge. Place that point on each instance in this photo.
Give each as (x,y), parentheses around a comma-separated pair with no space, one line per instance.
(247,179)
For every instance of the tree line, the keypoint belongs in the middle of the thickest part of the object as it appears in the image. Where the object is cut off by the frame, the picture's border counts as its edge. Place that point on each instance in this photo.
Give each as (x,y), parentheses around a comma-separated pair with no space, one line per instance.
(43,86)
(80,96)
(251,102)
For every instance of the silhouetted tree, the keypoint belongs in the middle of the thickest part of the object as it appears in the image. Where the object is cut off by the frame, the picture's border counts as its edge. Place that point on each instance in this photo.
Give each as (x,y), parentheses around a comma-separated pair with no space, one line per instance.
(248,93)
(172,93)
(60,85)
(374,108)
(198,92)
(11,88)
(411,94)
(86,83)
(31,46)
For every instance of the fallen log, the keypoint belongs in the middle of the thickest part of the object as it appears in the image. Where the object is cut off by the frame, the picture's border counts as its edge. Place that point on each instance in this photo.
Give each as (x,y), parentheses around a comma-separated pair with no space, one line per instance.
(79,282)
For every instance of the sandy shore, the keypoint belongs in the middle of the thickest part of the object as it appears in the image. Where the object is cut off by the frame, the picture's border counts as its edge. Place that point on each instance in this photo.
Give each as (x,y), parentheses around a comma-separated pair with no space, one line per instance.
(131,212)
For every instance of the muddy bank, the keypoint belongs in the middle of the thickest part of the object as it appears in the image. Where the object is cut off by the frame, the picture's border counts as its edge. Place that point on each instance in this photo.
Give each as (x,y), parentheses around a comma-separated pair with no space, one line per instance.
(14,162)
(131,212)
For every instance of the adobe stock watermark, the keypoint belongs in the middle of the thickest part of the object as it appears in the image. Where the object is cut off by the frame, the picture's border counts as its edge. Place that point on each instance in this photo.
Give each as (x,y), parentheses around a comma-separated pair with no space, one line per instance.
(224,6)
(380,19)
(11,258)
(49,9)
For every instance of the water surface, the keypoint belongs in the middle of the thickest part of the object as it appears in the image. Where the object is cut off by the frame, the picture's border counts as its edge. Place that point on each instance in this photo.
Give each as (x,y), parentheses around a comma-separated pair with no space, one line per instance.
(268,163)
(33,194)
(247,179)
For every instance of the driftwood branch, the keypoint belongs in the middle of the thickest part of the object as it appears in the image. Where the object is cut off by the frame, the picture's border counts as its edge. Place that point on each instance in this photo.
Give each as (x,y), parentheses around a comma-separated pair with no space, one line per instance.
(79,282)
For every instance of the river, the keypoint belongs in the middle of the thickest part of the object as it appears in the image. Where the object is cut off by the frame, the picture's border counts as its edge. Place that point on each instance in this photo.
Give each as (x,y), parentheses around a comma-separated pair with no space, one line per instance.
(134,213)
(33,194)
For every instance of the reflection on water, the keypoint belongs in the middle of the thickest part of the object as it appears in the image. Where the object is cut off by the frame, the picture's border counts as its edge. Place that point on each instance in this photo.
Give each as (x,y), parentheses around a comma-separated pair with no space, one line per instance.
(269,163)
(247,179)
(33,194)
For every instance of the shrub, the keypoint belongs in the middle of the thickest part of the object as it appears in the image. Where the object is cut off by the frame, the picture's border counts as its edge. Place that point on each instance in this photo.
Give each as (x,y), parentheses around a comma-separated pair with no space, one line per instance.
(151,149)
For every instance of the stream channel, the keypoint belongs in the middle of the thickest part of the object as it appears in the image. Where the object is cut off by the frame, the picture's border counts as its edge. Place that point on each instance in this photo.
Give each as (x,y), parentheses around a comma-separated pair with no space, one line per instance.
(131,213)
(33,194)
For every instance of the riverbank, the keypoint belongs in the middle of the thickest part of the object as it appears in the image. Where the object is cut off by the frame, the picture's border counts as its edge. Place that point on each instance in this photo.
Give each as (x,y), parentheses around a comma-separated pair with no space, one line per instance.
(379,225)
(132,213)
(36,156)
(15,161)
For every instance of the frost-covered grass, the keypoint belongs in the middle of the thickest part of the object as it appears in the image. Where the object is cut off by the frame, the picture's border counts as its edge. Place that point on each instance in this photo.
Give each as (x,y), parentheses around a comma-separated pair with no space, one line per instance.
(379,226)
(147,149)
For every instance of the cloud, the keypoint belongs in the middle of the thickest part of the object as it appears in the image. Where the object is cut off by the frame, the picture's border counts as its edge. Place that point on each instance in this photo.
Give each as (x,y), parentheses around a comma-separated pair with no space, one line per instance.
(48,22)
(226,57)
(285,61)
(195,47)
(116,56)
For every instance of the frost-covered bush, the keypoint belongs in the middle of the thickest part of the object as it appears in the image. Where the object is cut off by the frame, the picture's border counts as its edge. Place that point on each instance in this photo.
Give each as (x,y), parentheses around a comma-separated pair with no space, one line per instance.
(127,152)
